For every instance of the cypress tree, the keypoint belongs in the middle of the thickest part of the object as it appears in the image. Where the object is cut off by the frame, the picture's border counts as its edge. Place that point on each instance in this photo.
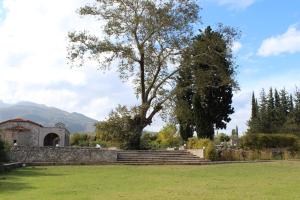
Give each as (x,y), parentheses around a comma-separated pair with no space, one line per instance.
(254,109)
(263,117)
(279,113)
(183,110)
(254,122)
(211,82)
(291,104)
(284,101)
(297,107)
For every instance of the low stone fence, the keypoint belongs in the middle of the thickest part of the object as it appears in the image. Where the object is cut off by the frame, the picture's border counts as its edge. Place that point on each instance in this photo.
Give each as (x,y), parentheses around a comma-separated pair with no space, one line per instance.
(61,155)
(197,152)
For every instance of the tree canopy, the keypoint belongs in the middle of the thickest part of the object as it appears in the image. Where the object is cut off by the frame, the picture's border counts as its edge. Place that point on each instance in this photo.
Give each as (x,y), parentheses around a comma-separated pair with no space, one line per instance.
(146,40)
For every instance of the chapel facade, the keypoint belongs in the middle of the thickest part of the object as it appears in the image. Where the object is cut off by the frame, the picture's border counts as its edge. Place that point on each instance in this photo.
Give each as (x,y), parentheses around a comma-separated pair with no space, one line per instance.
(22,132)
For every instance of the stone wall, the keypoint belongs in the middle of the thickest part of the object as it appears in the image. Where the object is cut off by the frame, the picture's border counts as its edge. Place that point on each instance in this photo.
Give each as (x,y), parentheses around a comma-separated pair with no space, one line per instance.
(61,155)
(197,152)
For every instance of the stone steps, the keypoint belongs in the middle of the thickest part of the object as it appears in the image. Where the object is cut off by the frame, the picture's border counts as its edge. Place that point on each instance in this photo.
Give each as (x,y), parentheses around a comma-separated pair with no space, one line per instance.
(161,157)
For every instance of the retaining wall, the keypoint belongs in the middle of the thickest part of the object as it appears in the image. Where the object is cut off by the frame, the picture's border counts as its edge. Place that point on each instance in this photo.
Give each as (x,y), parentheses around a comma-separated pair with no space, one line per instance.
(62,155)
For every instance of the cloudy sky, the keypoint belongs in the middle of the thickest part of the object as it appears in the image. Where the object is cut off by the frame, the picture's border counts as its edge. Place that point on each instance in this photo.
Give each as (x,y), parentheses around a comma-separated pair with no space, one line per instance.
(33,65)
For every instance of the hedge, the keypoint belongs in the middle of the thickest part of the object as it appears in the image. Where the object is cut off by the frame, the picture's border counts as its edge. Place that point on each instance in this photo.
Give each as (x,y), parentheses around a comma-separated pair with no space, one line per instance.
(265,141)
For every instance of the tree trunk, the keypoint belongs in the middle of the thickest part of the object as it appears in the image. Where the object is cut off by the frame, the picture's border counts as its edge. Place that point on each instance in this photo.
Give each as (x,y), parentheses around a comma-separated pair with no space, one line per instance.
(135,140)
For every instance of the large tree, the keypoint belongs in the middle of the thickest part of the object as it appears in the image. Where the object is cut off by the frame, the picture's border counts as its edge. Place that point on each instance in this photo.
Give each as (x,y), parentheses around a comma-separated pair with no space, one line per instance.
(206,82)
(146,39)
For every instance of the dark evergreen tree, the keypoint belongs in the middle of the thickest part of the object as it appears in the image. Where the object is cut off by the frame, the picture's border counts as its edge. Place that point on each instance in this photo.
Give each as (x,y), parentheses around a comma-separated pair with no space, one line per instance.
(210,62)
(291,104)
(254,122)
(270,109)
(296,109)
(263,113)
(254,109)
(279,112)
(284,102)
(184,95)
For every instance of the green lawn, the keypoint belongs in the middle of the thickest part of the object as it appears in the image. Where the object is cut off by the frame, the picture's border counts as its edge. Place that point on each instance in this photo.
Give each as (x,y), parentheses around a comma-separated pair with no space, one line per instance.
(276,180)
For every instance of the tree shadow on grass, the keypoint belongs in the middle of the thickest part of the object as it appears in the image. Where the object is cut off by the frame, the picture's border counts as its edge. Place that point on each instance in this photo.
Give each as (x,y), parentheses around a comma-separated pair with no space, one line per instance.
(13,181)
(31,172)
(13,187)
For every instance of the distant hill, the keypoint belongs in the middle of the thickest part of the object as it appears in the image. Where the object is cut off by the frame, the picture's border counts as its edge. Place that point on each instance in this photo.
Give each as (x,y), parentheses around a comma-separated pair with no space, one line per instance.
(47,116)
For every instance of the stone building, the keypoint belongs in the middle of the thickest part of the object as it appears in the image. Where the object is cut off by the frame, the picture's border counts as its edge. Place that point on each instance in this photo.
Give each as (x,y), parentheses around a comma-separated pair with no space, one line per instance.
(24,132)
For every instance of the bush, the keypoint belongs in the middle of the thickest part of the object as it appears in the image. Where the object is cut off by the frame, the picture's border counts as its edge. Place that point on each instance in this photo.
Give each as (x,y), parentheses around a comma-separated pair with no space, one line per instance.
(265,141)
(168,136)
(208,145)
(88,140)
(221,137)
(149,141)
(195,143)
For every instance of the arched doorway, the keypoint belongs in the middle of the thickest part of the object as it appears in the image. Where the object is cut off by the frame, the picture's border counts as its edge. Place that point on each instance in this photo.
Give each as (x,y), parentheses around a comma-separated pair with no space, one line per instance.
(52,139)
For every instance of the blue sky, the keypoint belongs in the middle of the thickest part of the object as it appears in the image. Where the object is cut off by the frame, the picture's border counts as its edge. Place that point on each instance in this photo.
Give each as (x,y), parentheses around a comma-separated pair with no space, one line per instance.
(33,39)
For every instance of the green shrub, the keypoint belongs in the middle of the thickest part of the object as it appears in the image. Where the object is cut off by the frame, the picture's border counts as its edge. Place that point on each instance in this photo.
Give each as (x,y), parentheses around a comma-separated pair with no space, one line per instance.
(195,143)
(210,152)
(221,137)
(265,141)
(149,141)
(89,140)
(168,136)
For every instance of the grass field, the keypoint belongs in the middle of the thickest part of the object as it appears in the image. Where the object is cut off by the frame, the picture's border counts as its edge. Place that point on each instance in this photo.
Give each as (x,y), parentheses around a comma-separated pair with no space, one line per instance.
(275,180)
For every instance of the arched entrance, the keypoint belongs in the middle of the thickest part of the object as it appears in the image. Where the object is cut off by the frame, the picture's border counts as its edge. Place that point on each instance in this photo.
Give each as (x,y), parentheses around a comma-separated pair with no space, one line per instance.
(52,139)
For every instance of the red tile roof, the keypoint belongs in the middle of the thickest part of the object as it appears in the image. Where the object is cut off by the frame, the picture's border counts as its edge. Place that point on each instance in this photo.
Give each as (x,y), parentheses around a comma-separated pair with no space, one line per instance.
(21,120)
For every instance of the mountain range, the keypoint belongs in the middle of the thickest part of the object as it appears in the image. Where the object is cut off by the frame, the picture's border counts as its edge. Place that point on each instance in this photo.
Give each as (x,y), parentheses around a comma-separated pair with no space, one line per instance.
(47,116)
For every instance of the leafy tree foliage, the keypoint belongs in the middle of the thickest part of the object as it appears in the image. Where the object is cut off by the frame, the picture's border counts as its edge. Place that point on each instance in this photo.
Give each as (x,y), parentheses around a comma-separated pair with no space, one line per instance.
(168,136)
(221,137)
(205,84)
(144,39)
(277,112)
(118,128)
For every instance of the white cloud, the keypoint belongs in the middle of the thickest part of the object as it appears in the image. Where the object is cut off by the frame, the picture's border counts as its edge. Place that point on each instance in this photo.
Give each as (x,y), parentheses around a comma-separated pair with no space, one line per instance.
(288,42)
(236,46)
(33,41)
(235,4)
(101,107)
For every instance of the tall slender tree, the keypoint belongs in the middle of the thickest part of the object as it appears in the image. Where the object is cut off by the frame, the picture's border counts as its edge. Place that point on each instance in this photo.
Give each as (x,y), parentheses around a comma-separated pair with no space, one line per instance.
(254,122)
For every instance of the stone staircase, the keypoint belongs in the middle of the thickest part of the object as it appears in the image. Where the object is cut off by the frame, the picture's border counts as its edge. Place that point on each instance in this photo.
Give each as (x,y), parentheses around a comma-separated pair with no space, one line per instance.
(161,157)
